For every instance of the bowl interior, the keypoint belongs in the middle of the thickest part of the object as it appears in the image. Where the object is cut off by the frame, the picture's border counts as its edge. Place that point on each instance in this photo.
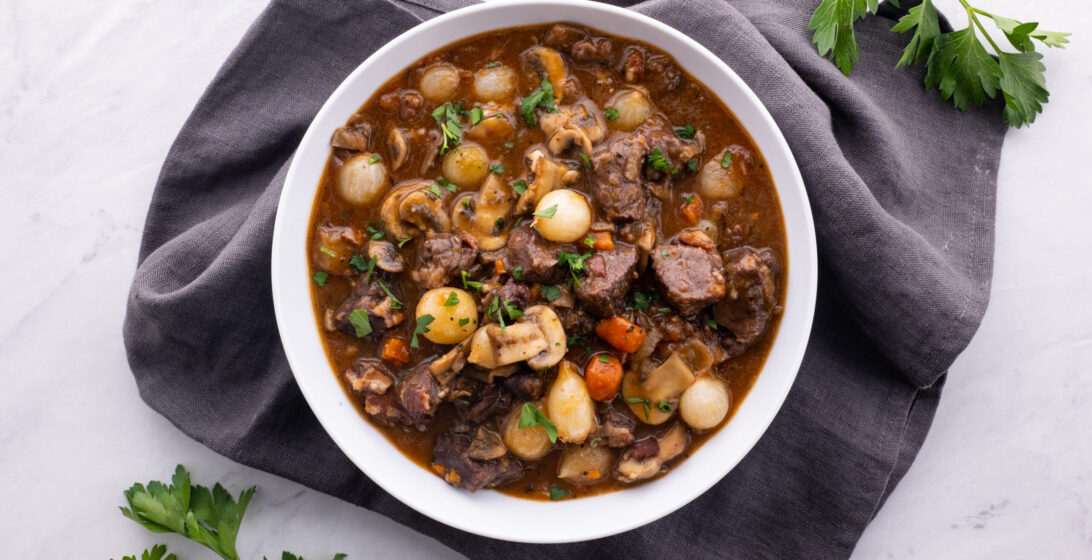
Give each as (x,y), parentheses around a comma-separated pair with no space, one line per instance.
(490,513)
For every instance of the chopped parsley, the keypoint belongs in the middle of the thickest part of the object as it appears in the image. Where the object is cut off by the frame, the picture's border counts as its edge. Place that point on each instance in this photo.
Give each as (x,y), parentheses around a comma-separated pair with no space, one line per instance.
(644,403)
(692,165)
(595,442)
(359,319)
(374,159)
(470,283)
(587,162)
(519,221)
(664,406)
(589,241)
(686,131)
(327,252)
(509,145)
(530,416)
(726,160)
(368,271)
(499,222)
(493,64)
(604,358)
(422,327)
(547,213)
(447,184)
(497,169)
(551,292)
(611,113)
(466,202)
(452,300)
(358,263)
(575,261)
(395,302)
(476,116)
(513,312)
(375,233)
(541,97)
(517,273)
(434,189)
(658,162)
(464,321)
(689,200)
(519,186)
(403,242)
(558,493)
(664,254)
(641,302)
(711,323)
(447,115)
(320,277)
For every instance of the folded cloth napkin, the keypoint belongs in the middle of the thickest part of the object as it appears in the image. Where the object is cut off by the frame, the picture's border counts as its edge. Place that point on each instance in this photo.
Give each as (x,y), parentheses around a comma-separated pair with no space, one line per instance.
(902,186)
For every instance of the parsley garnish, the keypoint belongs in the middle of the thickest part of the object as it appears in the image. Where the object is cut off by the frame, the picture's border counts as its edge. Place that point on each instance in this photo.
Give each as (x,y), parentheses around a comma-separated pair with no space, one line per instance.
(476,116)
(692,165)
(499,222)
(689,200)
(575,261)
(403,242)
(551,292)
(395,303)
(327,252)
(558,493)
(497,169)
(464,321)
(604,358)
(359,319)
(956,62)
(541,97)
(513,312)
(711,323)
(466,202)
(664,254)
(452,300)
(447,184)
(448,117)
(493,64)
(517,273)
(530,416)
(470,283)
(611,113)
(658,162)
(595,441)
(369,270)
(547,213)
(641,301)
(320,277)
(373,159)
(422,327)
(375,233)
(686,131)
(644,403)
(726,160)
(509,145)
(664,406)
(587,162)
(357,263)
(589,241)
(519,186)
(434,189)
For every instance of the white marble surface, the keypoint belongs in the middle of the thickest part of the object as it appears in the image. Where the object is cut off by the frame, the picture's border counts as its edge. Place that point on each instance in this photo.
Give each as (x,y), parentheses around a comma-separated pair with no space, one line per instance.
(92,94)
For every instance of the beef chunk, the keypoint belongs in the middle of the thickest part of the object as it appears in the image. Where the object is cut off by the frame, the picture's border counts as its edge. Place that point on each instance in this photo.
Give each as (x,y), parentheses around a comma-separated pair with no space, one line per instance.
(371,298)
(407,103)
(672,327)
(442,257)
(563,35)
(369,376)
(352,137)
(511,291)
(691,277)
(535,257)
(384,409)
(615,428)
(451,460)
(419,394)
(633,65)
(594,49)
(526,386)
(645,448)
(751,298)
(617,184)
(575,320)
(610,275)
(490,401)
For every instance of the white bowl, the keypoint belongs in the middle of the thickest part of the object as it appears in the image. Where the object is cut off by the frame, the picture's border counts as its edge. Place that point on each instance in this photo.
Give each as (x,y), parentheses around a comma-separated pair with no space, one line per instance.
(493,514)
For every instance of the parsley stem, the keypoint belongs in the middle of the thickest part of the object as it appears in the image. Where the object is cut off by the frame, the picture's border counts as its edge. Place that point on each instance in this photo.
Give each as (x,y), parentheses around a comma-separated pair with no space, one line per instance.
(972,19)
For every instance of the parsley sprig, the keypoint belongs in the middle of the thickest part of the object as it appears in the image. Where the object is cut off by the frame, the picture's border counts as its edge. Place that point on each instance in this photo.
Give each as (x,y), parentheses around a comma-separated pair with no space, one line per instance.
(576,262)
(957,63)
(447,115)
(530,416)
(541,97)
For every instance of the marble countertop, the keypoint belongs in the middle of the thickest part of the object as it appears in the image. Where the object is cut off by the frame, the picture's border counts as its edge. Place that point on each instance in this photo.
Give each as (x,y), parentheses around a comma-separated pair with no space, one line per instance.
(91,96)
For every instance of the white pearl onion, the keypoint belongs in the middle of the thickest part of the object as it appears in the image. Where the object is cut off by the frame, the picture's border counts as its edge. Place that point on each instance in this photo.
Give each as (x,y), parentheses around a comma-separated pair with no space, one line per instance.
(704,404)
(360,180)
(570,220)
(439,83)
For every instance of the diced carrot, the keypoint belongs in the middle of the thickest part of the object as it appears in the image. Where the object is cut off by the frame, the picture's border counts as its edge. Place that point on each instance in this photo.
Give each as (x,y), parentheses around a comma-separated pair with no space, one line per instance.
(603,374)
(395,350)
(498,265)
(692,210)
(621,333)
(603,241)
(594,474)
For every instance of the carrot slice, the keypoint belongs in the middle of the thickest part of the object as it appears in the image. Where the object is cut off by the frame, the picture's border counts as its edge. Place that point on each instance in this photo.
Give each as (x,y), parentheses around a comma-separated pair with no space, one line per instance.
(621,333)
(395,350)
(603,374)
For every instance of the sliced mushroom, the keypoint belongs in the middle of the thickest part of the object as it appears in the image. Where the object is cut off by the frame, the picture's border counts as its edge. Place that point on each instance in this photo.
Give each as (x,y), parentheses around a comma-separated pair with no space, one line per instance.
(492,346)
(396,140)
(549,64)
(580,124)
(543,175)
(496,123)
(485,215)
(633,468)
(411,209)
(556,345)
(487,445)
(661,387)
(447,366)
(386,256)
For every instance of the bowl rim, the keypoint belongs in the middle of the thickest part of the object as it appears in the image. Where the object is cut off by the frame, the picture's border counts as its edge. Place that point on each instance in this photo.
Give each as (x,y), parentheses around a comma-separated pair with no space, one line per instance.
(491,514)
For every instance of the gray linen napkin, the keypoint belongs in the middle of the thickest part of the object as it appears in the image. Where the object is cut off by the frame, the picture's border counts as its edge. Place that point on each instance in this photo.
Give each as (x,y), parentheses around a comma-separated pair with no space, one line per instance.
(902,186)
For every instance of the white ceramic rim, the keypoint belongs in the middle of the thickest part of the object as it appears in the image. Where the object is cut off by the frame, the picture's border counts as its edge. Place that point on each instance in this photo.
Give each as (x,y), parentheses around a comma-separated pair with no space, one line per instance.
(493,514)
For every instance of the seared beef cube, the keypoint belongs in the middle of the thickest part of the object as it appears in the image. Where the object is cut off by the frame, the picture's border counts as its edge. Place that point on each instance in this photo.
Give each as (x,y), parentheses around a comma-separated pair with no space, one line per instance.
(610,274)
(419,394)
(382,315)
(575,320)
(526,386)
(633,64)
(534,256)
(511,291)
(691,278)
(352,137)
(490,401)
(593,49)
(450,460)
(751,298)
(441,258)
(368,376)
(616,186)
(615,428)
(384,409)
(562,35)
